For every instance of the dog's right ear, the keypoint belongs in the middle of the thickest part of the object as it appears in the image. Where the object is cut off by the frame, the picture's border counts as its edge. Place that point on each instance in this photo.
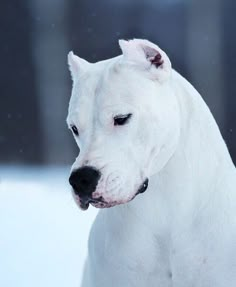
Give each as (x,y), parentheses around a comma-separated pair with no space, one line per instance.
(76,65)
(147,55)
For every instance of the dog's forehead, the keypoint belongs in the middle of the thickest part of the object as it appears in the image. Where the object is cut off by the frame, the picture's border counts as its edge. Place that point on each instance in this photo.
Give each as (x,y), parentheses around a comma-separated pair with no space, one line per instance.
(120,83)
(106,85)
(90,80)
(103,80)
(82,99)
(85,92)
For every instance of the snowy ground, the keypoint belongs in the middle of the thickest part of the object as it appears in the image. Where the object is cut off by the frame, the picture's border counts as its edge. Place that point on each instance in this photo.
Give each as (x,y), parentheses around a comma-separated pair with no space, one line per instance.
(43,234)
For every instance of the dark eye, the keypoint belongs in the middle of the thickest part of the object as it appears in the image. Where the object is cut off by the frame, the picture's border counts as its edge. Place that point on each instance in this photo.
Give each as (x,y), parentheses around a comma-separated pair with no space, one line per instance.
(75,130)
(121,119)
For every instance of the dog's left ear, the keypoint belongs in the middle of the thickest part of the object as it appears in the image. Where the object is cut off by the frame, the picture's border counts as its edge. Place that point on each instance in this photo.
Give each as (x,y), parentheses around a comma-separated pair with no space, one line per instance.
(76,65)
(148,56)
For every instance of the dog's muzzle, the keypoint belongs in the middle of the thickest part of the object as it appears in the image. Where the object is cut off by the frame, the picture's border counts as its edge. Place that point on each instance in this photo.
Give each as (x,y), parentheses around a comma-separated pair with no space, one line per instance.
(84,181)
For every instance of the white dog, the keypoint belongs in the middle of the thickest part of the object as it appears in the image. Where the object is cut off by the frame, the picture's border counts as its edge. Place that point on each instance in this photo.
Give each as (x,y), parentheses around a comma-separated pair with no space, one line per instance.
(139,124)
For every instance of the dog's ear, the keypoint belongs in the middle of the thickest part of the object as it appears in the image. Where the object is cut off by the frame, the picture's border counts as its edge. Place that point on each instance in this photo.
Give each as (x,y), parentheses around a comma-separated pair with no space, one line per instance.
(76,65)
(147,55)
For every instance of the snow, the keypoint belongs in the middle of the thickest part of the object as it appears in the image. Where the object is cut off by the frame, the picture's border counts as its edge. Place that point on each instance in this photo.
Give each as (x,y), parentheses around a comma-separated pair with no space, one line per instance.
(43,234)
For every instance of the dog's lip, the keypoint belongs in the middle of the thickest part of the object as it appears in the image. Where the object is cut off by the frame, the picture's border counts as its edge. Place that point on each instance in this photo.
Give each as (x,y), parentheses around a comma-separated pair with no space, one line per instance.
(83,206)
(84,202)
(143,187)
(103,204)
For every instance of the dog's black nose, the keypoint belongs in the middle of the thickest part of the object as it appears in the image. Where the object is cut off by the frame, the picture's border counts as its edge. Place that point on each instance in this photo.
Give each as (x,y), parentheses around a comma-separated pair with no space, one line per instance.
(84,180)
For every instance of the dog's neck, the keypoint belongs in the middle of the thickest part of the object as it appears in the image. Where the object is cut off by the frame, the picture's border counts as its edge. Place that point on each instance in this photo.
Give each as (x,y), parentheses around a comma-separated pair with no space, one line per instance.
(187,182)
(200,160)
(201,147)
(200,135)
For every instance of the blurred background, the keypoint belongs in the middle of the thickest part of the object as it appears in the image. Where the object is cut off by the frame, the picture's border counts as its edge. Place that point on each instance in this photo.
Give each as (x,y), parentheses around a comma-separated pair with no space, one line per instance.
(35,85)
(43,235)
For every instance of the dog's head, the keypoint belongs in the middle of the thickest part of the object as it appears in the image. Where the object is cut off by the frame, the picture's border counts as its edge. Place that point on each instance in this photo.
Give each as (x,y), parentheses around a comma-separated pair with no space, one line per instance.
(123,115)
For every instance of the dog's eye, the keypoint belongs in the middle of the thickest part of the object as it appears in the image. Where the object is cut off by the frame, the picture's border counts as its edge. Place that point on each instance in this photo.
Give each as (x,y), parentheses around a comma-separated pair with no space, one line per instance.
(121,119)
(75,130)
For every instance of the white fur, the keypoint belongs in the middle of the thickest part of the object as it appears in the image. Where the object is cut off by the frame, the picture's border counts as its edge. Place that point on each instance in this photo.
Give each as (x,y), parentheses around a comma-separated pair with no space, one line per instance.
(182,231)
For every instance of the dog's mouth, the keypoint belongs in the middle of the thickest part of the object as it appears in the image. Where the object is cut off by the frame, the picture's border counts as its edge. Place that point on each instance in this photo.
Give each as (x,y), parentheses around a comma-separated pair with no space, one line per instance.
(85,201)
(98,203)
